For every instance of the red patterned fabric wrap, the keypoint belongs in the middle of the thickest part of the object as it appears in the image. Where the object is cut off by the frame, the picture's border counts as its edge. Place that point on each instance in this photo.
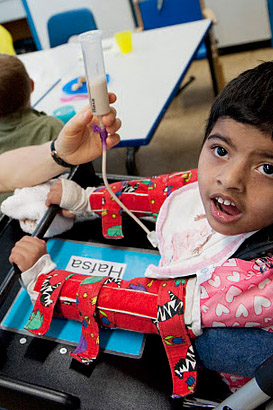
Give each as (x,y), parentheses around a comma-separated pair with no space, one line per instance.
(111,214)
(175,336)
(144,197)
(141,304)
(159,188)
(87,297)
(50,287)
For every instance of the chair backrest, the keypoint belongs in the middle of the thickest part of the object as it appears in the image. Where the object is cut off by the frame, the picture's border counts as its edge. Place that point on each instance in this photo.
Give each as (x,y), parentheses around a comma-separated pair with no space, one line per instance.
(62,26)
(171,12)
(110,16)
(6,42)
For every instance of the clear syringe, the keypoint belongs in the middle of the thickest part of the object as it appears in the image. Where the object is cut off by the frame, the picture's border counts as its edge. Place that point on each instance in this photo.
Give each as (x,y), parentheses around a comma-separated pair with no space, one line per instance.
(91,43)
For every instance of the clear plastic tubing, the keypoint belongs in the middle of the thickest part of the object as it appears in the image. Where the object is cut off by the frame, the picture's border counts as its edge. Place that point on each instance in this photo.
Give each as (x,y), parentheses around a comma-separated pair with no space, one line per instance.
(91,43)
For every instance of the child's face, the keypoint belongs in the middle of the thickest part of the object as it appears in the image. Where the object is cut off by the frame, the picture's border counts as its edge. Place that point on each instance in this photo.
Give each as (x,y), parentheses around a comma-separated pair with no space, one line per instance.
(235,174)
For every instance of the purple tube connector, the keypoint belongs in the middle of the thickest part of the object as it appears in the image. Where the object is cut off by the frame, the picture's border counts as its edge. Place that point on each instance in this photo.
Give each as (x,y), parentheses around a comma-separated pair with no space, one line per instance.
(103,135)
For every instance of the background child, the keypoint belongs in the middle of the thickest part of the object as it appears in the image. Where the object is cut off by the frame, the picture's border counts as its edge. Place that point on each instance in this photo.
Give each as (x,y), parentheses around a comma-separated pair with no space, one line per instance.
(76,143)
(201,225)
(20,125)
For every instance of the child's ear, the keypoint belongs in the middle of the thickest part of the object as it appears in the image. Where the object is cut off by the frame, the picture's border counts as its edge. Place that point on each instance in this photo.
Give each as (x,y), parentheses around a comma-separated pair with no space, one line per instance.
(31,85)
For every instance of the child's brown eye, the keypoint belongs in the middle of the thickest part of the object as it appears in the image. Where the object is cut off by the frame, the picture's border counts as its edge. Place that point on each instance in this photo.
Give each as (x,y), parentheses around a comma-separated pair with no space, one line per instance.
(268,169)
(220,151)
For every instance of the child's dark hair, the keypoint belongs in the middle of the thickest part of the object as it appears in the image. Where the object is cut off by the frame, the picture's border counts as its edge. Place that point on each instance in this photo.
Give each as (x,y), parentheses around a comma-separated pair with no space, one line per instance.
(15,85)
(247,99)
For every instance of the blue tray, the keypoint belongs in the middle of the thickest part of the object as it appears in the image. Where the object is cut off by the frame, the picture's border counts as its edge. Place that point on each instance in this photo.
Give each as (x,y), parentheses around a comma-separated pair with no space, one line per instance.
(123,262)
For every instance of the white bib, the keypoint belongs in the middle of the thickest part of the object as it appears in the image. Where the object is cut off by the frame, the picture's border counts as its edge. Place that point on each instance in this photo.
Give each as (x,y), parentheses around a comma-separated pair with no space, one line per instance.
(187,243)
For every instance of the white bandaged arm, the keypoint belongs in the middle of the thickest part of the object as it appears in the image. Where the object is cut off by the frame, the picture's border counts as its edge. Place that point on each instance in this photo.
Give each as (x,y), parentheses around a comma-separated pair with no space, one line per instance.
(74,198)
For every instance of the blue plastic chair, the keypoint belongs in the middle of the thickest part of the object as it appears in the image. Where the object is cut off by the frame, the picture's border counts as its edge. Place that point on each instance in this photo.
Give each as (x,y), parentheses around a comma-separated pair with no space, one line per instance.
(153,14)
(64,25)
(171,12)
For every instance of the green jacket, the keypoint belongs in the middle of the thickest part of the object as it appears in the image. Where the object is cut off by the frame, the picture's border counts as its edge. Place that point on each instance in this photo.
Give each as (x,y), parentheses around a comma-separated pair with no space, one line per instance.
(29,127)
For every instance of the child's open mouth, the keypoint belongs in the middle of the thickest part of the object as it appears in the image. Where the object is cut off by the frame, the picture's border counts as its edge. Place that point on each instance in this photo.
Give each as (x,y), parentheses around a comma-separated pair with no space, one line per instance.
(224,210)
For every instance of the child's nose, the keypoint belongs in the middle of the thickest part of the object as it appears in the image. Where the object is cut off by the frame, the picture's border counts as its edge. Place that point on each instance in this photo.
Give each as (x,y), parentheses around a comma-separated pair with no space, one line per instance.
(233,176)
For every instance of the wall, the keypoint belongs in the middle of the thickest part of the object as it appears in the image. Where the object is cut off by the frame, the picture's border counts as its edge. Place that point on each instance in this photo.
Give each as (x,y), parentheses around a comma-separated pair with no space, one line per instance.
(240,21)
(111,15)
(11,10)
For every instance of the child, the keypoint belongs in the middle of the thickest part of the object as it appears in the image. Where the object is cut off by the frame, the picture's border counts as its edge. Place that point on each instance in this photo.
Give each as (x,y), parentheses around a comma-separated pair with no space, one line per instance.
(20,125)
(202,220)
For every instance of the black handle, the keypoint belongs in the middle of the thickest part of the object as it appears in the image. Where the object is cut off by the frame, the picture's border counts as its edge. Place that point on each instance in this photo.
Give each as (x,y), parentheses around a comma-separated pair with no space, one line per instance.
(14,273)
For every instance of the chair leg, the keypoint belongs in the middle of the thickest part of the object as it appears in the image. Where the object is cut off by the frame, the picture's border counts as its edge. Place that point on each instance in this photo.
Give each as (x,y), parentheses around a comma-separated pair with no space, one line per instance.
(215,65)
(140,25)
(211,65)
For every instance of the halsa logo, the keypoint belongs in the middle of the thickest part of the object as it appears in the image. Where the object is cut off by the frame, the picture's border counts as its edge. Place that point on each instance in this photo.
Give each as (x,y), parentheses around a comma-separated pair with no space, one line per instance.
(93,105)
(95,267)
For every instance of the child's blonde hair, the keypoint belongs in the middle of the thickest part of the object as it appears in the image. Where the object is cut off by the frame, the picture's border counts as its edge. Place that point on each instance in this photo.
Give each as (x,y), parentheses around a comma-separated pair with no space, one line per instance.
(15,85)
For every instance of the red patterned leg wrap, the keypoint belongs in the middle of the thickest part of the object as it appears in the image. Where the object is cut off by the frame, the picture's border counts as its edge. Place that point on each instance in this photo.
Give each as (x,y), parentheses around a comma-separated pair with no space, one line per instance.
(50,287)
(87,296)
(142,305)
(175,336)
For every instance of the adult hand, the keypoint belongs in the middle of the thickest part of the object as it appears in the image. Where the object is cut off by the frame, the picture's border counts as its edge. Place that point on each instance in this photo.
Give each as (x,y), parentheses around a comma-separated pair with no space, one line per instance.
(77,143)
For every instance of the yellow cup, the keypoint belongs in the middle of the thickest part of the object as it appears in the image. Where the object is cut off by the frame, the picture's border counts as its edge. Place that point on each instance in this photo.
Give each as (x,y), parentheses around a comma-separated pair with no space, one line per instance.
(124,40)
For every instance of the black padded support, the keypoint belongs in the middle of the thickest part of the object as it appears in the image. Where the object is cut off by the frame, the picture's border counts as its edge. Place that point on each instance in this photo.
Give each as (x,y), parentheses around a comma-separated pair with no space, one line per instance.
(264,376)
(258,245)
(32,396)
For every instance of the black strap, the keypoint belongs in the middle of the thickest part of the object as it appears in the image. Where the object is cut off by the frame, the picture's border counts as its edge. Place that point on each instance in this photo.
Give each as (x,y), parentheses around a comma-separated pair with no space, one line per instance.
(57,158)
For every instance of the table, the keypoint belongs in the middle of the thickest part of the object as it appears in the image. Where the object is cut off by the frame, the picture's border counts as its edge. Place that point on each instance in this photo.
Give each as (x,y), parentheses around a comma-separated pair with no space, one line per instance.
(145,80)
